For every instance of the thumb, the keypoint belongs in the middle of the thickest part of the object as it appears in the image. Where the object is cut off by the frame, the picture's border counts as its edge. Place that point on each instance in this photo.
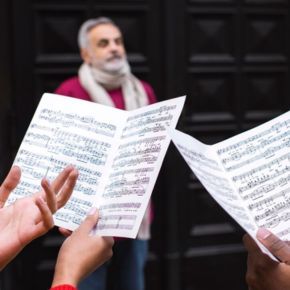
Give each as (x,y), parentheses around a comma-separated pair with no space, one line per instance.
(90,221)
(9,184)
(277,247)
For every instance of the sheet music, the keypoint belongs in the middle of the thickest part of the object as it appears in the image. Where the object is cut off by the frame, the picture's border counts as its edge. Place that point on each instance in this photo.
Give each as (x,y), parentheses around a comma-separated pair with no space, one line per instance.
(135,167)
(248,174)
(204,163)
(257,162)
(90,136)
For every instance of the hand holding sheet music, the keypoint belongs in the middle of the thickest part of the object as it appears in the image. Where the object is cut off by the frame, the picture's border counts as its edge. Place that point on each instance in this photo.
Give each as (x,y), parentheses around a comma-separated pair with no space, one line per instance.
(118,155)
(248,175)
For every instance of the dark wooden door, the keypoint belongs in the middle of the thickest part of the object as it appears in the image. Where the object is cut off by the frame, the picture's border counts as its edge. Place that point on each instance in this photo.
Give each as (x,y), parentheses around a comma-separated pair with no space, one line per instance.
(231,59)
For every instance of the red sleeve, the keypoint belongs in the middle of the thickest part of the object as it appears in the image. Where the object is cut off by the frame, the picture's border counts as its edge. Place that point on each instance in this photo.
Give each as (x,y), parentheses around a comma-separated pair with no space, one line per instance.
(62,90)
(69,88)
(72,88)
(63,287)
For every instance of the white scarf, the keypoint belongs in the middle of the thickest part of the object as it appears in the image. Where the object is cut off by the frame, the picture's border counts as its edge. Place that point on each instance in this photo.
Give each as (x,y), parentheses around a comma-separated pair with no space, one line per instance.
(97,82)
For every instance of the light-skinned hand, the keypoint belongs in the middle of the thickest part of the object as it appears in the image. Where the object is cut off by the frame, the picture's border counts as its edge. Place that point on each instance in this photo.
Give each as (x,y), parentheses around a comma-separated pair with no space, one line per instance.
(30,217)
(81,253)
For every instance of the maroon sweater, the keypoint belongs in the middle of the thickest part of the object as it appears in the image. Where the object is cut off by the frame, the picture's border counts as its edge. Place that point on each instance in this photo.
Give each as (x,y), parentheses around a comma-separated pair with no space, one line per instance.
(73,88)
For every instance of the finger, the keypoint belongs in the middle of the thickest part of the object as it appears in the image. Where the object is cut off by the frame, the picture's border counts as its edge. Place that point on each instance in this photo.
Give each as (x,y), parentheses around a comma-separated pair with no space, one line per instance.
(65,232)
(90,221)
(277,247)
(46,222)
(61,178)
(67,189)
(49,195)
(10,182)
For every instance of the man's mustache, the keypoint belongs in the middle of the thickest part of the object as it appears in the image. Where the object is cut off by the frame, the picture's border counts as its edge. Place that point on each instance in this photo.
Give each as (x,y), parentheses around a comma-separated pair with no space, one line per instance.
(115,57)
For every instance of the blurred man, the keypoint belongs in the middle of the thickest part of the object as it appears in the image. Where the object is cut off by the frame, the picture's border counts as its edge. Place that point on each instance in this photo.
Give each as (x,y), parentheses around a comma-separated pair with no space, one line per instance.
(105,77)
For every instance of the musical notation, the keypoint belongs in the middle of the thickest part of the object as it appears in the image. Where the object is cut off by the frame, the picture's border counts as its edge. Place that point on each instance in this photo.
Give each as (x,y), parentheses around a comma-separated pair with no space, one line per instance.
(74,120)
(237,155)
(128,183)
(164,109)
(221,186)
(121,205)
(135,151)
(107,226)
(118,155)
(196,157)
(249,173)
(274,129)
(135,171)
(285,232)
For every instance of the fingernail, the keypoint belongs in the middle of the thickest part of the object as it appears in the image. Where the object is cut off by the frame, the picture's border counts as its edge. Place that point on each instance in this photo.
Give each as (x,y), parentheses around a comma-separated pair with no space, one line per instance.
(92,211)
(263,234)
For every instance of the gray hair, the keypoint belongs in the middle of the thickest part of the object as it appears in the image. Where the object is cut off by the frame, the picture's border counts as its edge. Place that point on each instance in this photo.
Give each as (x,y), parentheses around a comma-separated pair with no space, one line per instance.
(87,26)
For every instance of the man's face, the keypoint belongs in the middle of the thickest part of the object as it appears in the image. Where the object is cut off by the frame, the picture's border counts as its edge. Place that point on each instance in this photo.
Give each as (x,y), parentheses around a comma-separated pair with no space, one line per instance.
(105,48)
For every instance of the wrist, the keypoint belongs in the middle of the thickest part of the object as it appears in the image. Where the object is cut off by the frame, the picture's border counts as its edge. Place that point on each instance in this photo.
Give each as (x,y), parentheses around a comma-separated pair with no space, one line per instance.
(64,276)
(8,251)
(63,287)
(63,280)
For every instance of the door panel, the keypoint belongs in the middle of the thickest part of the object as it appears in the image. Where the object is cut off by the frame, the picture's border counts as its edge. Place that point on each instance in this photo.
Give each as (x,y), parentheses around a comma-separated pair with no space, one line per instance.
(229,57)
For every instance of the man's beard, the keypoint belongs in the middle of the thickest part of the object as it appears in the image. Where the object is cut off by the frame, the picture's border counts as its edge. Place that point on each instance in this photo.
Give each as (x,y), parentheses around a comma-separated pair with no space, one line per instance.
(112,65)
(111,73)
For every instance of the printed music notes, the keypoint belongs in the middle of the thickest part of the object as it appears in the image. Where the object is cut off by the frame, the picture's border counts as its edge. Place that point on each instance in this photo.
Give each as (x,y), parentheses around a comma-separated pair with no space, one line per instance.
(118,155)
(248,174)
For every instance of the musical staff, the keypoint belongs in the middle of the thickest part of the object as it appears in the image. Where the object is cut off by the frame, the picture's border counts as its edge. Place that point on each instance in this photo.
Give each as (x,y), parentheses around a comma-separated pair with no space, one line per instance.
(118,155)
(247,174)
